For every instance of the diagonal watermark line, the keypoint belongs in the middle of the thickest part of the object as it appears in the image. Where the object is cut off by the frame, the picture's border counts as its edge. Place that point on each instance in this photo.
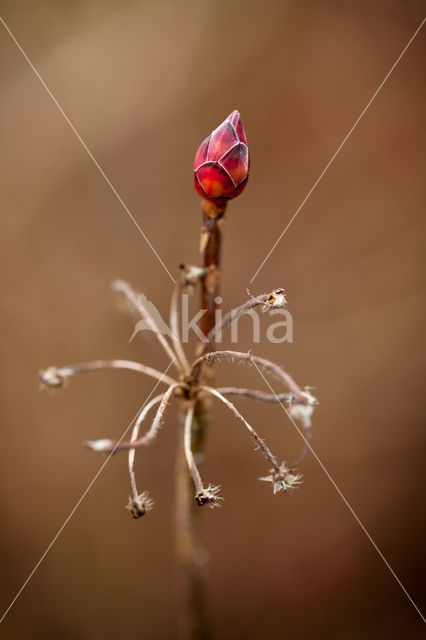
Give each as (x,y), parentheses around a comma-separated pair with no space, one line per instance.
(345,139)
(343,497)
(80,500)
(86,148)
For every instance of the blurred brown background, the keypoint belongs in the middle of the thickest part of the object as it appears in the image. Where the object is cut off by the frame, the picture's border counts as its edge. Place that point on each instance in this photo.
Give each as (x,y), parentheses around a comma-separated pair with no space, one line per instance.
(144,83)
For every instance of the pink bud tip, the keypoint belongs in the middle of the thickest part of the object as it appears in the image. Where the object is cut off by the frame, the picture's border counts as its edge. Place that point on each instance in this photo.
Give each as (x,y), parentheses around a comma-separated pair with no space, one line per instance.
(222,163)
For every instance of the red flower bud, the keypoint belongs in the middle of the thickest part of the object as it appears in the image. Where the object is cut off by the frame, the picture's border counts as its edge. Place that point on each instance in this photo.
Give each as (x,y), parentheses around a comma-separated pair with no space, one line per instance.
(222,163)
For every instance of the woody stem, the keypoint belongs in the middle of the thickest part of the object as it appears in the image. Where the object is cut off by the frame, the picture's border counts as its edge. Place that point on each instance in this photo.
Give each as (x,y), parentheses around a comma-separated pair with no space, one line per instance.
(194,619)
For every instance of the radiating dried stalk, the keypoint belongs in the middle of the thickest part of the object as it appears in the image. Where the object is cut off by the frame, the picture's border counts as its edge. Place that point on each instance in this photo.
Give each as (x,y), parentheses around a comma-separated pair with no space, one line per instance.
(135,434)
(255,394)
(273,300)
(187,442)
(147,438)
(174,326)
(262,363)
(56,376)
(258,440)
(127,291)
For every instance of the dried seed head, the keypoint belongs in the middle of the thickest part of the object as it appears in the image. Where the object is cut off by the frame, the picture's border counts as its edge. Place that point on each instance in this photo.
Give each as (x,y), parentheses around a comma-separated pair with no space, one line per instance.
(51,377)
(282,479)
(105,445)
(208,496)
(302,406)
(276,300)
(190,275)
(140,505)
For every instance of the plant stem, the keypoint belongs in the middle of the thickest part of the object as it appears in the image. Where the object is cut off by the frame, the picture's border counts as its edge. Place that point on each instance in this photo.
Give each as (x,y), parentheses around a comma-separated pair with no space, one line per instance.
(210,247)
(193,610)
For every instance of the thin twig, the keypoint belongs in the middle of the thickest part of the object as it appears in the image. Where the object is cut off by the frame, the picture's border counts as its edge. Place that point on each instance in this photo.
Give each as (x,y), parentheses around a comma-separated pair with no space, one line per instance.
(187,439)
(307,428)
(174,327)
(56,376)
(148,437)
(135,433)
(273,300)
(255,394)
(262,363)
(127,291)
(258,440)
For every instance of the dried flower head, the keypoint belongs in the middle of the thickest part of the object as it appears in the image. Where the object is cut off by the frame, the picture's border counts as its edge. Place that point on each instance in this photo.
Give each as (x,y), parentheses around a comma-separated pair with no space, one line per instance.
(104,444)
(275,300)
(139,505)
(283,479)
(189,274)
(302,406)
(208,496)
(51,377)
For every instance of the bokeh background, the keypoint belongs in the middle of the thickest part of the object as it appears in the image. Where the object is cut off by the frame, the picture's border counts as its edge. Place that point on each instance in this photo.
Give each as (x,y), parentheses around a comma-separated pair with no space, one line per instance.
(144,83)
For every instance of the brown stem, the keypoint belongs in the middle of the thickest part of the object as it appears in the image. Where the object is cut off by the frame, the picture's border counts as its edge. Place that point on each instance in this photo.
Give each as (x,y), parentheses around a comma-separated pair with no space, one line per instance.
(194,618)
(210,247)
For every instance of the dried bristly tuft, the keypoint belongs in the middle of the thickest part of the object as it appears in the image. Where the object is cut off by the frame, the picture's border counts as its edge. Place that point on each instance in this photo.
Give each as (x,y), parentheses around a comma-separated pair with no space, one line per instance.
(276,300)
(105,445)
(140,505)
(283,479)
(302,405)
(52,377)
(190,274)
(208,496)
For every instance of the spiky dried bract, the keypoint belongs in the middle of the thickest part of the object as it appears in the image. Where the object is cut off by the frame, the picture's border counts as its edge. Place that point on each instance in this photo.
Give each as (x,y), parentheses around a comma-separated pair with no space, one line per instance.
(276,300)
(302,406)
(283,479)
(105,445)
(138,506)
(189,274)
(208,496)
(51,377)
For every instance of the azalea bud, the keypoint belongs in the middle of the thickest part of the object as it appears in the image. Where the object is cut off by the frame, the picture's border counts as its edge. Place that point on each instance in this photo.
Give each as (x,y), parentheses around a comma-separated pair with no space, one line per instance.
(221,165)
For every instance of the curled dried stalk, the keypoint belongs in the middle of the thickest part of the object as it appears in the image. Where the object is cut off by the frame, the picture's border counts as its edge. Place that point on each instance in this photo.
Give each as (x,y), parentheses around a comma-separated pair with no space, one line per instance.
(174,326)
(127,291)
(301,403)
(187,443)
(203,495)
(124,445)
(139,503)
(56,376)
(255,394)
(260,444)
(274,300)
(262,363)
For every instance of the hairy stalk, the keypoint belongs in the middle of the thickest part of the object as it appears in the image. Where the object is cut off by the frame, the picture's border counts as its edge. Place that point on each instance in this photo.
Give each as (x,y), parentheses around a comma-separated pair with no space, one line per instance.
(260,444)
(255,394)
(124,445)
(174,326)
(273,300)
(135,302)
(56,376)
(187,445)
(261,363)
(135,434)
